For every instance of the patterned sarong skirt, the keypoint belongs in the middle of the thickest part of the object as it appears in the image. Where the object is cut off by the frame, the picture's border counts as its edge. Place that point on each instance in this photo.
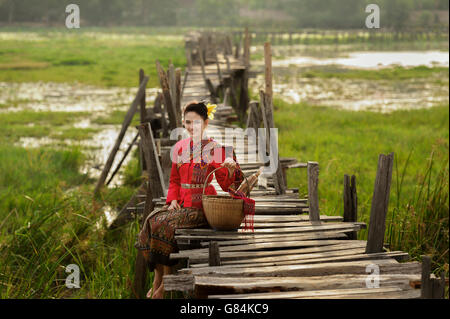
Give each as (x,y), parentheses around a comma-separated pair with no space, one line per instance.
(156,239)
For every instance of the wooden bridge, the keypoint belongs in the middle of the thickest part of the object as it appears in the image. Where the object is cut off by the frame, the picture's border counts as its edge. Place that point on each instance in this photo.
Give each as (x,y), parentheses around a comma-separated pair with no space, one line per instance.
(294,251)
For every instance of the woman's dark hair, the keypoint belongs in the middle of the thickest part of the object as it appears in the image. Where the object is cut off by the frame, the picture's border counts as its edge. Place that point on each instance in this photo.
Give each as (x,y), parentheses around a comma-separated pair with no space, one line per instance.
(197,107)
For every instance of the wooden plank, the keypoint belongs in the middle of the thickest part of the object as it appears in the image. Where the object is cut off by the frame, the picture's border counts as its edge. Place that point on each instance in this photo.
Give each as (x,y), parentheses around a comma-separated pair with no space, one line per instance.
(262,239)
(380,202)
(404,294)
(327,257)
(328,226)
(207,285)
(310,294)
(235,239)
(202,256)
(354,267)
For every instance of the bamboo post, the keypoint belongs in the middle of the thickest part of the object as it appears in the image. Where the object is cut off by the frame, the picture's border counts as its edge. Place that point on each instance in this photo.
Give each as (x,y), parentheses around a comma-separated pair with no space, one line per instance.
(350,203)
(313,191)
(128,118)
(380,202)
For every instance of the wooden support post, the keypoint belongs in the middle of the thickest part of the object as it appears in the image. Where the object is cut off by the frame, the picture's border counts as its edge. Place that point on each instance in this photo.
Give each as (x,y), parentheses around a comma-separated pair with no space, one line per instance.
(214,254)
(431,288)
(253,119)
(128,118)
(350,203)
(140,266)
(202,63)
(123,158)
(266,104)
(172,85)
(426,287)
(380,202)
(142,101)
(244,96)
(211,90)
(189,57)
(156,178)
(168,103)
(313,192)
(178,96)
(143,115)
(184,83)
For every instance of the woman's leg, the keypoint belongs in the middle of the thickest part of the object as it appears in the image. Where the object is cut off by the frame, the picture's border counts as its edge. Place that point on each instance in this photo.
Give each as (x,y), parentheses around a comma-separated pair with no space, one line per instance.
(159,293)
(157,280)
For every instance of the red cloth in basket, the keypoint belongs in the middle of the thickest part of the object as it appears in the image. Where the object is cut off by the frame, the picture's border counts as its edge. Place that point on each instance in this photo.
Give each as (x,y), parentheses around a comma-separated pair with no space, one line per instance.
(249,208)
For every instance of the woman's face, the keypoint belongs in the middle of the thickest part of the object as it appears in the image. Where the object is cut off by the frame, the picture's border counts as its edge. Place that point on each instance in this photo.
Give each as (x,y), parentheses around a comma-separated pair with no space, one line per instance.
(194,124)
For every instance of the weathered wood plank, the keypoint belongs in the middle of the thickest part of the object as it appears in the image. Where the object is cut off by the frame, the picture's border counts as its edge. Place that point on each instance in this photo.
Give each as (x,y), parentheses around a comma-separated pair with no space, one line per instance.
(328,226)
(310,294)
(237,239)
(202,256)
(275,238)
(326,257)
(206,285)
(354,267)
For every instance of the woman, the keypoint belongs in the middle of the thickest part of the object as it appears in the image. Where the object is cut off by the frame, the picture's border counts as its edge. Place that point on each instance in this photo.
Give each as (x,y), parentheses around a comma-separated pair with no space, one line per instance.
(192,160)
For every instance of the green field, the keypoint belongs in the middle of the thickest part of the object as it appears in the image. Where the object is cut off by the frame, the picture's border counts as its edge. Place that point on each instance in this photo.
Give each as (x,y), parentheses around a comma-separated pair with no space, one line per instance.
(49,217)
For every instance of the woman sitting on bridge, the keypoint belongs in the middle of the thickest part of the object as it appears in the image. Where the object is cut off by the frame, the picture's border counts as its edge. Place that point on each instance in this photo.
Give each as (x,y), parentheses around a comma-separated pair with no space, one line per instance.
(192,160)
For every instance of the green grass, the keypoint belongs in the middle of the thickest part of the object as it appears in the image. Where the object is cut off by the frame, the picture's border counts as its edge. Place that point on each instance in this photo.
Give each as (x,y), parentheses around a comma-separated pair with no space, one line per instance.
(102,58)
(48,222)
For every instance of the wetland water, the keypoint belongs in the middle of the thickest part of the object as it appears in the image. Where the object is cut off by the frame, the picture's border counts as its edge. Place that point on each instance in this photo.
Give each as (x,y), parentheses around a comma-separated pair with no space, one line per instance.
(293,83)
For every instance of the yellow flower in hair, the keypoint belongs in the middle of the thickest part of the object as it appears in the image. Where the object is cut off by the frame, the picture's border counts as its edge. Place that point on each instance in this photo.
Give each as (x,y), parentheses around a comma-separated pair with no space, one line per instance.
(211,110)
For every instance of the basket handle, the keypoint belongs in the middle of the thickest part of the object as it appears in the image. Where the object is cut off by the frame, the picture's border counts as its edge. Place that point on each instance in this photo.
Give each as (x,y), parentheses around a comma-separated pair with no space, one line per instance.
(206,180)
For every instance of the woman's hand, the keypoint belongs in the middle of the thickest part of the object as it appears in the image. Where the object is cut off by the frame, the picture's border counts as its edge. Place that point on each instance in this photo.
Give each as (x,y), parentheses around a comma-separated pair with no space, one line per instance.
(230,164)
(174,205)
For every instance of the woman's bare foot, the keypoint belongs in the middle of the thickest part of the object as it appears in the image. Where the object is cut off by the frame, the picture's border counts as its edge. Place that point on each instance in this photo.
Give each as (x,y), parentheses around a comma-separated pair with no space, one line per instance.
(159,293)
(149,293)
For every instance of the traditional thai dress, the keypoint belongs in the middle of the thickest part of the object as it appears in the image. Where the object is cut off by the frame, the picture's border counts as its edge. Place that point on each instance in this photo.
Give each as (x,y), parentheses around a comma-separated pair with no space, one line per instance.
(191,164)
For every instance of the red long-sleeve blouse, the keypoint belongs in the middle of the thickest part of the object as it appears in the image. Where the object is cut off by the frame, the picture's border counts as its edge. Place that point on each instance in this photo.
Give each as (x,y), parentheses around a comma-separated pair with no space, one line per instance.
(189,167)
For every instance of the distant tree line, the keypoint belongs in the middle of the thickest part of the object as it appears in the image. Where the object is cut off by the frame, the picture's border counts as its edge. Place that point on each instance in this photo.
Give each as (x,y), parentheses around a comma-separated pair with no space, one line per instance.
(328,14)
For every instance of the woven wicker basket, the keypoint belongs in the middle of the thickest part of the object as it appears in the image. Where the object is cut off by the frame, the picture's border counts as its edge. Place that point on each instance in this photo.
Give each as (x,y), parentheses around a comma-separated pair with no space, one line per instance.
(222,212)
